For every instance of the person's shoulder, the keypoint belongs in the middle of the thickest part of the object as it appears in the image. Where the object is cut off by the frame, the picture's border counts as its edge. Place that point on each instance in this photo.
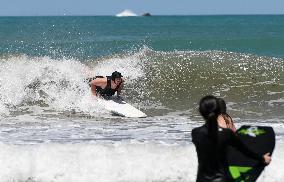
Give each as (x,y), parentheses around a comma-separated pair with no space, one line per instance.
(196,130)
(99,80)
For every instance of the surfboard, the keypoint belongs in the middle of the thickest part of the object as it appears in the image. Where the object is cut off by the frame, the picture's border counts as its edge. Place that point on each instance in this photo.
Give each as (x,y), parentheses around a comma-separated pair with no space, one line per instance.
(119,107)
(261,140)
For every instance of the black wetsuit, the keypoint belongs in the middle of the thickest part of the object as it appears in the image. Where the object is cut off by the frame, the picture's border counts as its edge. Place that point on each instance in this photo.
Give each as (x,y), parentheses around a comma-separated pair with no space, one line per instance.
(212,161)
(107,91)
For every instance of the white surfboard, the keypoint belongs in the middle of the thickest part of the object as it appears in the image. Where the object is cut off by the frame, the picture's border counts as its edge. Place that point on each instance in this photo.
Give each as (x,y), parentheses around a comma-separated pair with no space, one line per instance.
(120,107)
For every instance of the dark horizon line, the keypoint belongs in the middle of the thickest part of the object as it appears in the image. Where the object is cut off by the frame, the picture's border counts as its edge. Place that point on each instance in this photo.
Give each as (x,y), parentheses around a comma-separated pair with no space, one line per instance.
(268,14)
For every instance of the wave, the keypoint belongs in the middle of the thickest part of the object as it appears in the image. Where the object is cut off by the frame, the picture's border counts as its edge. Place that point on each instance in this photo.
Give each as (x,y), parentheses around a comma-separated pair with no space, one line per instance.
(53,84)
(133,162)
(252,85)
(158,82)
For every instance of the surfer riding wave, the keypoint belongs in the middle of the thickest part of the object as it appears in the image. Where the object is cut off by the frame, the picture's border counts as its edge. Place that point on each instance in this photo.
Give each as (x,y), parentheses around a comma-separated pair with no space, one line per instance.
(107,86)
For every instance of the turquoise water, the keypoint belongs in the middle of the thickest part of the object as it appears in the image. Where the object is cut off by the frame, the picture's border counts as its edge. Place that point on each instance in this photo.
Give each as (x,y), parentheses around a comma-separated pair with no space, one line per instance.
(52,129)
(91,37)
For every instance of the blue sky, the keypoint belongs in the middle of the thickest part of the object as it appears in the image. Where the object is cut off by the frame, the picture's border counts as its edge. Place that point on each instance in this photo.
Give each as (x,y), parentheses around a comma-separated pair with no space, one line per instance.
(155,7)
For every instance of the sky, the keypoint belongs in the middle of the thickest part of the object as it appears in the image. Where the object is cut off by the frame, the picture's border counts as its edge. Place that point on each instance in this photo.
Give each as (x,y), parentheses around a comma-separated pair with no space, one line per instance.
(155,7)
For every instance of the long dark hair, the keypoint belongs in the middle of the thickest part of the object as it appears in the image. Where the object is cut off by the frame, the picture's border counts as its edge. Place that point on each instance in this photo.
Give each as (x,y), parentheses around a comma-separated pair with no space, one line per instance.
(222,104)
(210,109)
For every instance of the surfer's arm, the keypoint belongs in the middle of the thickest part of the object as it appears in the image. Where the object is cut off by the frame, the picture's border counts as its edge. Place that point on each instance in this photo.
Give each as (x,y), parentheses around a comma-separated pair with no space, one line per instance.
(94,84)
(93,89)
(237,143)
(120,88)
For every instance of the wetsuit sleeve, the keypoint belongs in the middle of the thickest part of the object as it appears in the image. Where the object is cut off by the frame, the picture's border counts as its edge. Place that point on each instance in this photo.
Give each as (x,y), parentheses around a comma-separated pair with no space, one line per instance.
(193,135)
(237,143)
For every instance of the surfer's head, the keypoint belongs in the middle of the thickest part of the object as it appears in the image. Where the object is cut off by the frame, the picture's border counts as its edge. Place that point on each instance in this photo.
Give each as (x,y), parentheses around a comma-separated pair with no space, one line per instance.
(210,109)
(116,77)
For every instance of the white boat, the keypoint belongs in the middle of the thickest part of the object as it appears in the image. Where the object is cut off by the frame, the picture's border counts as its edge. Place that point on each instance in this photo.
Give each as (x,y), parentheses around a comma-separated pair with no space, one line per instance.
(125,13)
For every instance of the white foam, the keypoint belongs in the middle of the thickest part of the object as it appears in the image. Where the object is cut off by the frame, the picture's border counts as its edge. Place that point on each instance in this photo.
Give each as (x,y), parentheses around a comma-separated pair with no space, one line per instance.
(113,162)
(274,172)
(130,67)
(104,163)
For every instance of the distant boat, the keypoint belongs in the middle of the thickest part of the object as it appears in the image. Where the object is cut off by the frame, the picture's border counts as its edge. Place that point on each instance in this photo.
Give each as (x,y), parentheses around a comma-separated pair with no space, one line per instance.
(126,12)
(146,14)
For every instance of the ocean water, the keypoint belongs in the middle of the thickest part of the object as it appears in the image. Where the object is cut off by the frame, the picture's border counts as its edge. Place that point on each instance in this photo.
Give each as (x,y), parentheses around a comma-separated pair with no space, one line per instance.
(52,129)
